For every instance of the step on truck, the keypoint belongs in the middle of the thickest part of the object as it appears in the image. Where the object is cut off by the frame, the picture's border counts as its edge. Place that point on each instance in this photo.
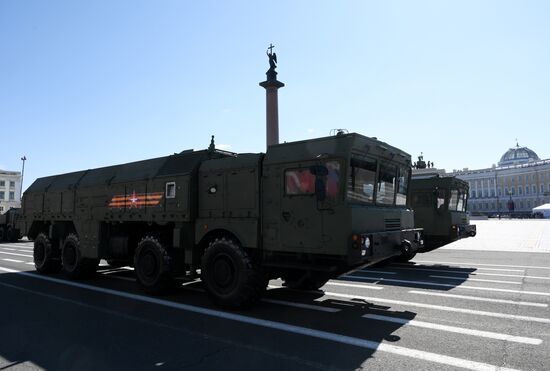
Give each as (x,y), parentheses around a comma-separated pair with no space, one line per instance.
(304,211)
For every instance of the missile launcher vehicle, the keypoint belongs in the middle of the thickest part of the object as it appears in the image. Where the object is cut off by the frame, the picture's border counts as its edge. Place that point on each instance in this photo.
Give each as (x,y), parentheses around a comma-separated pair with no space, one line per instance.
(304,211)
(9,226)
(439,202)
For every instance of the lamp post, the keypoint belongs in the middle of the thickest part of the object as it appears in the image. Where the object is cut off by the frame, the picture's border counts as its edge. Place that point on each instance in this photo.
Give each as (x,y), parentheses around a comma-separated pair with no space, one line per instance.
(24,158)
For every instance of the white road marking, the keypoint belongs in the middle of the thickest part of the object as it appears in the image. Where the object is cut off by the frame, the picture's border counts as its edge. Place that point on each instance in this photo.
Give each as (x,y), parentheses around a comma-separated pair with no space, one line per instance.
(30,263)
(475,273)
(485,265)
(13,261)
(440,307)
(370,287)
(454,329)
(16,254)
(474,279)
(428,283)
(477,298)
(9,249)
(280,326)
(455,266)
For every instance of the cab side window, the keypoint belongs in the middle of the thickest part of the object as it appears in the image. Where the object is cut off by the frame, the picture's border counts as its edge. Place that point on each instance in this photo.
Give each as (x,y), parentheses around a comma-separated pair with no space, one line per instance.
(299,182)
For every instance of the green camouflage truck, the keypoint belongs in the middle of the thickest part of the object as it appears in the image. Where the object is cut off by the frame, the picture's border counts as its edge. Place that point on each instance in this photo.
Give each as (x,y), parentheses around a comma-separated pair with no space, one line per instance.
(439,204)
(9,225)
(304,211)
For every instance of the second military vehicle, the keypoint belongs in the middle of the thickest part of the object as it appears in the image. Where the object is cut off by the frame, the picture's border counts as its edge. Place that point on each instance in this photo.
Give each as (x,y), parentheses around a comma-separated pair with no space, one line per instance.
(305,211)
(439,202)
(9,230)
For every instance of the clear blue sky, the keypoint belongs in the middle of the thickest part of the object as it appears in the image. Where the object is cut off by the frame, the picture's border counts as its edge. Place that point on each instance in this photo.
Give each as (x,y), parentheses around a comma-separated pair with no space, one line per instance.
(92,83)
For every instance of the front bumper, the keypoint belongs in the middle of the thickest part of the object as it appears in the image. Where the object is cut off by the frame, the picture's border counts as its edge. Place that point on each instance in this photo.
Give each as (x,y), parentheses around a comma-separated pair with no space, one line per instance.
(377,246)
(466,230)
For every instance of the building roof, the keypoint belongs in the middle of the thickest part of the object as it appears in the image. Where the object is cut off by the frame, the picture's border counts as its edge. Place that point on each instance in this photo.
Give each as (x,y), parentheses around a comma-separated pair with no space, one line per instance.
(517,156)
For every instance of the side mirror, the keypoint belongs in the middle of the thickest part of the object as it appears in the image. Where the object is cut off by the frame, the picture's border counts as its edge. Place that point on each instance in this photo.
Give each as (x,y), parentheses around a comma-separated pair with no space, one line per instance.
(320,189)
(320,172)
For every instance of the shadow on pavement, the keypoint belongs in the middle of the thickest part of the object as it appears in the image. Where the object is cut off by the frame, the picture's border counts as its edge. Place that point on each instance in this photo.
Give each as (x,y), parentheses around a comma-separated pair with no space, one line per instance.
(413,275)
(52,326)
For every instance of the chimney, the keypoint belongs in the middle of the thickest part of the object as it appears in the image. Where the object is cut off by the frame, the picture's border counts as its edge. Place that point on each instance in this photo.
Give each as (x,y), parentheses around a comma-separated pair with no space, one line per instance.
(271,86)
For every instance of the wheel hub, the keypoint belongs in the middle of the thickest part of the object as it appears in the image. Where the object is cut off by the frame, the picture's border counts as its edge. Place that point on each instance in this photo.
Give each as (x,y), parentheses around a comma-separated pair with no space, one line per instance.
(69,255)
(224,272)
(149,264)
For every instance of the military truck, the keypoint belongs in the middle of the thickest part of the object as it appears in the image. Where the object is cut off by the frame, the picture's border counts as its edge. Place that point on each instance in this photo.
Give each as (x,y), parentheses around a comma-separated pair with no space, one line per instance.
(439,202)
(9,230)
(304,211)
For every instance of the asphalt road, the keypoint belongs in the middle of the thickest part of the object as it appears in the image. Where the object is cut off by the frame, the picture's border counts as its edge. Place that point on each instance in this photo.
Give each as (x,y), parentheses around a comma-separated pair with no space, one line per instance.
(450,309)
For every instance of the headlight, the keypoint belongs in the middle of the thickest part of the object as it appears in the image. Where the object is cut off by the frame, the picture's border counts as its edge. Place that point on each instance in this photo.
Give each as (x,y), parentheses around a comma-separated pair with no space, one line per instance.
(366,243)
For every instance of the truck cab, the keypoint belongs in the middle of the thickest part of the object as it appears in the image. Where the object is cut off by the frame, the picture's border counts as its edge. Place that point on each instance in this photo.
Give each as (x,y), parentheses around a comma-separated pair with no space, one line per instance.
(339,202)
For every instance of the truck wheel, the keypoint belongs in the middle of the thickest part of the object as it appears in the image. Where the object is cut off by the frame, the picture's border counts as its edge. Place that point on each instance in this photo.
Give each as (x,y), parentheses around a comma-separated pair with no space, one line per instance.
(405,257)
(152,267)
(46,258)
(74,265)
(230,277)
(12,235)
(305,280)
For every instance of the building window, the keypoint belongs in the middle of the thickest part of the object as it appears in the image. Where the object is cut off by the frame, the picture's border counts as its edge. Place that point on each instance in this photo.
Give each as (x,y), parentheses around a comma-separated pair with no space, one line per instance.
(12,196)
(492,205)
(542,188)
(513,190)
(2,195)
(493,192)
(534,189)
(527,189)
(520,190)
(521,204)
(12,184)
(528,203)
(1,209)
(519,178)
(2,183)
(499,191)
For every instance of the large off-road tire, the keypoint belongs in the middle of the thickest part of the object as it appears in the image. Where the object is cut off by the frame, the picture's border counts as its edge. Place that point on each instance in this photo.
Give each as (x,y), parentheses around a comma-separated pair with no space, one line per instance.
(46,256)
(300,280)
(12,235)
(152,267)
(405,257)
(229,275)
(74,265)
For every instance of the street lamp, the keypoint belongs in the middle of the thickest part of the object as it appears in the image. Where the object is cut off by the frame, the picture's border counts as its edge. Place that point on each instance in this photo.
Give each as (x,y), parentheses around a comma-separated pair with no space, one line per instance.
(24,158)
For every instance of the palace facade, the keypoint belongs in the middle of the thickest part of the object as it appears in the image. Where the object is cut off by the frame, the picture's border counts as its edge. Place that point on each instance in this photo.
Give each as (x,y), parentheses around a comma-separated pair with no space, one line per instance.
(520,182)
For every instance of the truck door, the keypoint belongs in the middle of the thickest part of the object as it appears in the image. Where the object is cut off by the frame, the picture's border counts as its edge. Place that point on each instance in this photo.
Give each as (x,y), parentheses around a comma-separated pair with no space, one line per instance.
(292,219)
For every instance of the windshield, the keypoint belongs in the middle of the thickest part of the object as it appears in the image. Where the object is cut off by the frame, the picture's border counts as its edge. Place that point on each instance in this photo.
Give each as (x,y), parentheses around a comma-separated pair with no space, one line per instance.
(361,180)
(462,195)
(453,200)
(385,191)
(401,197)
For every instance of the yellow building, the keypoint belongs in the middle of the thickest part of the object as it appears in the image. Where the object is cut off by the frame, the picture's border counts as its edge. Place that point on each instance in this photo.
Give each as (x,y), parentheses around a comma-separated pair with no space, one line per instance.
(519,182)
